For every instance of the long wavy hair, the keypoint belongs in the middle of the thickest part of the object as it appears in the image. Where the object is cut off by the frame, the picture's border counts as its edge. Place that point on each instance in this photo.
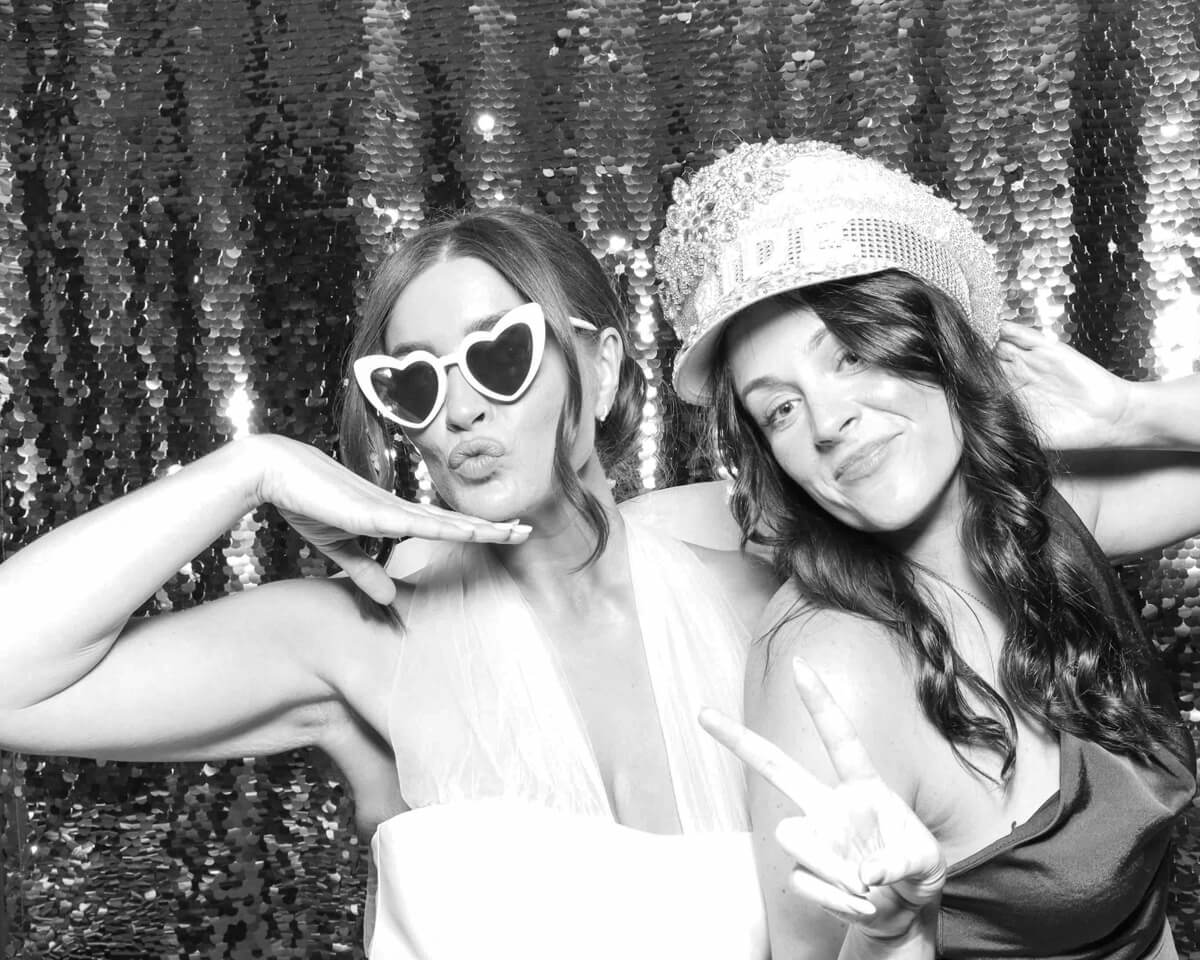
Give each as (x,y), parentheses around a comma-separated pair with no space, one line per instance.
(1064,660)
(546,265)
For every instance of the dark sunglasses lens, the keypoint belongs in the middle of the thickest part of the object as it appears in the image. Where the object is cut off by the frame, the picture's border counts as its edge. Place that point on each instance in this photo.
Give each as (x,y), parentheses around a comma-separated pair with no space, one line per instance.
(502,364)
(409,393)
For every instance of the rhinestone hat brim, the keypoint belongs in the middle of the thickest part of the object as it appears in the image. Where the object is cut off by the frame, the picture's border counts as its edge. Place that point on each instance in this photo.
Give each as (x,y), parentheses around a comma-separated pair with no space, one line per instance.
(772,217)
(783,262)
(693,364)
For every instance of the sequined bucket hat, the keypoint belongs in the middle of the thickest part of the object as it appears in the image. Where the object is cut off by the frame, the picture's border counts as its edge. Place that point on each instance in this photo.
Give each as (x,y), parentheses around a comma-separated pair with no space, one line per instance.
(771,217)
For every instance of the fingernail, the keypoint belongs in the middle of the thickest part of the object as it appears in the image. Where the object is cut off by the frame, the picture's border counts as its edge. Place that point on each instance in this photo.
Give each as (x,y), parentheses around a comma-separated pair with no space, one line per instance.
(864,908)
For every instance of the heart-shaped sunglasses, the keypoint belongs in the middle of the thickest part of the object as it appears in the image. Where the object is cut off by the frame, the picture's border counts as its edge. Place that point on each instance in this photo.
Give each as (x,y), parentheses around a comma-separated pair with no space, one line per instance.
(500,363)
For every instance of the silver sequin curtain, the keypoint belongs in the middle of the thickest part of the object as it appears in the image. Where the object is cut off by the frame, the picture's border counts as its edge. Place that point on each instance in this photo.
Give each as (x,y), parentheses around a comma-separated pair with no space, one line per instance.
(191,194)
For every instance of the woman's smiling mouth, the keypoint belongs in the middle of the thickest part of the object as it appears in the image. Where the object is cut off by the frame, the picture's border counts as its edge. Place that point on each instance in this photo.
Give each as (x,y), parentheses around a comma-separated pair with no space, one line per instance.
(862,461)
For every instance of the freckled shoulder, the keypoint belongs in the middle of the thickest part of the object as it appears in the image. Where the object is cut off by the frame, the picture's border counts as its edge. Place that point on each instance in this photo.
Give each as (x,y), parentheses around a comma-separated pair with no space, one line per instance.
(749,581)
(858,659)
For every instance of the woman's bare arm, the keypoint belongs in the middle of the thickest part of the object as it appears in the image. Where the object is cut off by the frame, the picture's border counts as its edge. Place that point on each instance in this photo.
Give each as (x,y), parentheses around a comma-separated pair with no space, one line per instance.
(246,674)
(1130,451)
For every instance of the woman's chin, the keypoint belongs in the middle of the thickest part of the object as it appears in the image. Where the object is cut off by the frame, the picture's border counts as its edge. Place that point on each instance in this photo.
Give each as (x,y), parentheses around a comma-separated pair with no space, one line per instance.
(492,499)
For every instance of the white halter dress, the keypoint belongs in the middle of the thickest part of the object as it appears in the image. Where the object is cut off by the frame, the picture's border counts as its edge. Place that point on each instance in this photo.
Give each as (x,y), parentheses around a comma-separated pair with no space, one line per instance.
(511,848)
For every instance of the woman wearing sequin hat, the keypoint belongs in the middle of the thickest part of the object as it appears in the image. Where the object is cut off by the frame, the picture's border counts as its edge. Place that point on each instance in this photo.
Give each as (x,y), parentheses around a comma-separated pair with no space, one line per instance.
(969,748)
(516,721)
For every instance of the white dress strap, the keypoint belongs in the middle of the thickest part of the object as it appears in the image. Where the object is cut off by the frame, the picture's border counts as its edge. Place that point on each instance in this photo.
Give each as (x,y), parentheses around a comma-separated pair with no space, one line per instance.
(696,653)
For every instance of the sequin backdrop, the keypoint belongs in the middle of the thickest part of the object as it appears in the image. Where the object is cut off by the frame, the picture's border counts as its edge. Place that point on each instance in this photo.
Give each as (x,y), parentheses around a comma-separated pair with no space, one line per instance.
(192,192)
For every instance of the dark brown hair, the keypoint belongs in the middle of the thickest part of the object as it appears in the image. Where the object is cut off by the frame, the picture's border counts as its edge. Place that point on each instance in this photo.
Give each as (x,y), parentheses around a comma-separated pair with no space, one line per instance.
(1064,659)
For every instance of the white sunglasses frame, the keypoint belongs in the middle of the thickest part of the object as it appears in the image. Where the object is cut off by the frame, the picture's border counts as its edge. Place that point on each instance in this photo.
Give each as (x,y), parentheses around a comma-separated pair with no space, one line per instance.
(529,314)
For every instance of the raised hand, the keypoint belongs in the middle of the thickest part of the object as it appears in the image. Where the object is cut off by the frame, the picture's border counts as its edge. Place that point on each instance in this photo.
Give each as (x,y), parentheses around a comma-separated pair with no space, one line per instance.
(331,506)
(1075,403)
(861,853)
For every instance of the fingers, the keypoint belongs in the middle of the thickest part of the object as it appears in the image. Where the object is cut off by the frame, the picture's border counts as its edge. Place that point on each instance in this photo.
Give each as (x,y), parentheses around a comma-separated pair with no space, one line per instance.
(765,759)
(845,906)
(810,847)
(357,506)
(438,523)
(430,523)
(1022,335)
(849,756)
(1009,353)
(914,865)
(885,867)
(369,576)
(1015,366)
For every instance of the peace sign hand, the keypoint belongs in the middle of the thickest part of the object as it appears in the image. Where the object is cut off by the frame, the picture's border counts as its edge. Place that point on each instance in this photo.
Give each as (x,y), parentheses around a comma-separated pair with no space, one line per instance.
(860,851)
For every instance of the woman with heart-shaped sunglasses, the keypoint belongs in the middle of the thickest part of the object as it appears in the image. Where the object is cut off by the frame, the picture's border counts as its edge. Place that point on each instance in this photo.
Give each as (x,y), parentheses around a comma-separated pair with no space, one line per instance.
(516,720)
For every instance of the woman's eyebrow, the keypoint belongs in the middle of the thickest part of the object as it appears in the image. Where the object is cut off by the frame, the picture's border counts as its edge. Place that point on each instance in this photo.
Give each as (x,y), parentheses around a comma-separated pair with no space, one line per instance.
(409,347)
(770,380)
(483,323)
(758,383)
(486,323)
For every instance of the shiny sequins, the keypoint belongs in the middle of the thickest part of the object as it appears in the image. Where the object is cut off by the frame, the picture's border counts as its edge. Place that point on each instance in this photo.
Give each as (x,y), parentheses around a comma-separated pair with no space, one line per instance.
(191,197)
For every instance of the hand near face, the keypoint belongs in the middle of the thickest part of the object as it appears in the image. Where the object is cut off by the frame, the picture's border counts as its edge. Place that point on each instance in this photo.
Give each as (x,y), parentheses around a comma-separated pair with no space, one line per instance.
(861,853)
(1076,404)
(331,507)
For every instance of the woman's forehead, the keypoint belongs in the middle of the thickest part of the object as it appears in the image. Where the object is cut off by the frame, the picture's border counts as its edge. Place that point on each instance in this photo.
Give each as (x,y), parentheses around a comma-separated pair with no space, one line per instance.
(770,328)
(447,299)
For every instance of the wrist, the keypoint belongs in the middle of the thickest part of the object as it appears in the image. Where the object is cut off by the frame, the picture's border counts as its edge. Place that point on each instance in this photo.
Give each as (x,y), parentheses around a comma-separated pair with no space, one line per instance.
(1160,415)
(250,458)
(1134,426)
(1164,414)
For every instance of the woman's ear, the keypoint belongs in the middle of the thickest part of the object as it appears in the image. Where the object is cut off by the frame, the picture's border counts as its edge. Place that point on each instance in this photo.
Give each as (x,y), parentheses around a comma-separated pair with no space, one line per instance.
(607,366)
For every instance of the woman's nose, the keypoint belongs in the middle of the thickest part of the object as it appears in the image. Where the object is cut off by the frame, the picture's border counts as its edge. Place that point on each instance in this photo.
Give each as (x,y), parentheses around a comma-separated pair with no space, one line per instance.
(832,415)
(465,406)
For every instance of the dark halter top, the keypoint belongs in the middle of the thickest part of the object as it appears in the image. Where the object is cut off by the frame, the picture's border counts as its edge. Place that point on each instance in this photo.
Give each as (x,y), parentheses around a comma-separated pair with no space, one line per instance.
(1086,877)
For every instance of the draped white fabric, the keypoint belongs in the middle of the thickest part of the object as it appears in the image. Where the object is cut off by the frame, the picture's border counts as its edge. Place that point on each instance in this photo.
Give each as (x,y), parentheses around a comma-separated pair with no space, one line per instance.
(481,708)
(506,879)
(512,844)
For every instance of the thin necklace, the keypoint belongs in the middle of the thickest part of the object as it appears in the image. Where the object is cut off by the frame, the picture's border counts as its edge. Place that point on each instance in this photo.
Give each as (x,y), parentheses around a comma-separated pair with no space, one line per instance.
(957,589)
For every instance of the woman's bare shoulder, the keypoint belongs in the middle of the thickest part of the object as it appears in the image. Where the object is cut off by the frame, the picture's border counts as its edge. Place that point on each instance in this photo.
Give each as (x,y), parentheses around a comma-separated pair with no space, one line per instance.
(858,658)
(803,627)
